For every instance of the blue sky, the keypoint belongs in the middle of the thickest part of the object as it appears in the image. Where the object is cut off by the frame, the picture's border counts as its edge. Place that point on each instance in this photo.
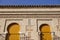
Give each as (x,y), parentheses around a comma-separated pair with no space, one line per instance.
(29,2)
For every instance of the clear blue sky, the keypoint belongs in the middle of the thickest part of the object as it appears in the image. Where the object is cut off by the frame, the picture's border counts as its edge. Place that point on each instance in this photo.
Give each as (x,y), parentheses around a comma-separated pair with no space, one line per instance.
(29,2)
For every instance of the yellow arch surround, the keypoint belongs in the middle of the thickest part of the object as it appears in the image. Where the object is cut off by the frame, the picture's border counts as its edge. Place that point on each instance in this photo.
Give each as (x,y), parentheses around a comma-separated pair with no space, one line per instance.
(13,29)
(45,32)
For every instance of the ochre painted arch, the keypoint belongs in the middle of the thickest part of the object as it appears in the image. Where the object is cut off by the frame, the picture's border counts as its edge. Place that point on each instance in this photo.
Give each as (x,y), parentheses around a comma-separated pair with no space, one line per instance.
(13,31)
(45,32)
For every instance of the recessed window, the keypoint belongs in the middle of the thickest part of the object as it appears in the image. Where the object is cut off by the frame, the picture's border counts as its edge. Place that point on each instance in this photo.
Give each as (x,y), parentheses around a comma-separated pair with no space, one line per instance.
(45,32)
(13,30)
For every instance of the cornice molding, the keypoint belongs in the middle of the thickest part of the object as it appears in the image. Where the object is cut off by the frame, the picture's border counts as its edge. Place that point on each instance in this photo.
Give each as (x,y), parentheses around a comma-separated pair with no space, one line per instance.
(29,6)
